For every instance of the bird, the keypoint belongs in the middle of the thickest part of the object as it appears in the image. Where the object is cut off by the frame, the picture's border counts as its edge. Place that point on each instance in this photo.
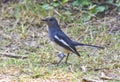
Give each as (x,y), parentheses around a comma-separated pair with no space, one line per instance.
(61,41)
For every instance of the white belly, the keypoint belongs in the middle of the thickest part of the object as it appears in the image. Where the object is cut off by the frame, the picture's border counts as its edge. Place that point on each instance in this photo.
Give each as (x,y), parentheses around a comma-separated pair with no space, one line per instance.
(59,48)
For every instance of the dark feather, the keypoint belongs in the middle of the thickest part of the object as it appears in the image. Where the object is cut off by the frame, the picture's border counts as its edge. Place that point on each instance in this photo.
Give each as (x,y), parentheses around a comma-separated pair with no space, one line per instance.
(70,46)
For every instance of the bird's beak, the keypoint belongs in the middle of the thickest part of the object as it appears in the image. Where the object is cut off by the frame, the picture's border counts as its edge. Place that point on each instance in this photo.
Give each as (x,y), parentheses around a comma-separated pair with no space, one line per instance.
(44,19)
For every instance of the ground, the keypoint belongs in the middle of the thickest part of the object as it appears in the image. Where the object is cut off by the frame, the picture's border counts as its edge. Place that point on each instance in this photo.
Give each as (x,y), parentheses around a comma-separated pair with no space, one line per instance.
(24,36)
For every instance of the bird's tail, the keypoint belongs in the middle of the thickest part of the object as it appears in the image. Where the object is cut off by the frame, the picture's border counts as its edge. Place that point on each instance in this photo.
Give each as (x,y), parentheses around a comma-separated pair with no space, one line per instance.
(80,44)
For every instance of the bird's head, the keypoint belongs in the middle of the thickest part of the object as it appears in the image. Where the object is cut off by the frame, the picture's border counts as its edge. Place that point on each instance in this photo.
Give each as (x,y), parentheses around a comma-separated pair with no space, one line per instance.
(51,21)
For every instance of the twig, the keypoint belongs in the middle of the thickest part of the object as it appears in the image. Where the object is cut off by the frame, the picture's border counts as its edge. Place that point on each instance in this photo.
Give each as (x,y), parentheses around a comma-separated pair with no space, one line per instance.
(88,80)
(57,13)
(12,55)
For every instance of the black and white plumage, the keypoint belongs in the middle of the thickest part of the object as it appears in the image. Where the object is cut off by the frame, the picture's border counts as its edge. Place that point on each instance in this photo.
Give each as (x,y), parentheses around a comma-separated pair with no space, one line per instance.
(61,41)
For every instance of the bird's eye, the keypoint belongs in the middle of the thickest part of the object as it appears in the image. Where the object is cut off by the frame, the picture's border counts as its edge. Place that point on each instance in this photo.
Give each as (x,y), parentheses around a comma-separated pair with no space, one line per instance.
(51,19)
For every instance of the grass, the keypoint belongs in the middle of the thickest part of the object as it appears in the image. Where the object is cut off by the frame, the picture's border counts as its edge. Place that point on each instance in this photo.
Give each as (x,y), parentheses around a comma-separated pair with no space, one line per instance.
(30,37)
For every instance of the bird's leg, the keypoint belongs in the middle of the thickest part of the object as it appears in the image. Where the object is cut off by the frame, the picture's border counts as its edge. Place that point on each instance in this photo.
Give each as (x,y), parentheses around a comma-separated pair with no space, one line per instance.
(66,58)
(61,56)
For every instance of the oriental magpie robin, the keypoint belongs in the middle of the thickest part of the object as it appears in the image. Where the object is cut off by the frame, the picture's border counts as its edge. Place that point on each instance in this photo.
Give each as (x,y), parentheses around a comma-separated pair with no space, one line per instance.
(61,41)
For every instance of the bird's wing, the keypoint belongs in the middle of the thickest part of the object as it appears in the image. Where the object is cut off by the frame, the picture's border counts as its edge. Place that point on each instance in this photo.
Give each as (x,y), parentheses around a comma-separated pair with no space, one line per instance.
(65,42)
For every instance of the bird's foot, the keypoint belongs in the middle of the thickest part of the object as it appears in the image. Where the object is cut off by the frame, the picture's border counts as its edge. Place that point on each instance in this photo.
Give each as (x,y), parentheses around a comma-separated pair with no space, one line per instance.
(67,63)
(61,56)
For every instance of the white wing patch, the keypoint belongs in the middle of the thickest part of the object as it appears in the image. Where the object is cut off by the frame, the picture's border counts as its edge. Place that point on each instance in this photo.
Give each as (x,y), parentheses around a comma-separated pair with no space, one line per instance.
(61,40)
